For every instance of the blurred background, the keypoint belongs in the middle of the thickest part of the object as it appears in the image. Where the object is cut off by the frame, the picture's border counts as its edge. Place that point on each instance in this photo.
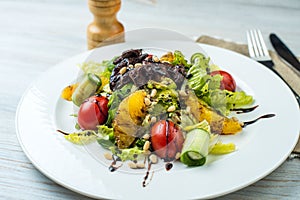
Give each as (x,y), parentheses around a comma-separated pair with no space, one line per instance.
(29,28)
(61,24)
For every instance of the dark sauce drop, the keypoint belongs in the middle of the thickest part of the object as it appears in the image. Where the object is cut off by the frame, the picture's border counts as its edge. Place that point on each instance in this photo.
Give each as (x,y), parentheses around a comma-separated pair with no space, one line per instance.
(244,110)
(255,120)
(113,167)
(168,166)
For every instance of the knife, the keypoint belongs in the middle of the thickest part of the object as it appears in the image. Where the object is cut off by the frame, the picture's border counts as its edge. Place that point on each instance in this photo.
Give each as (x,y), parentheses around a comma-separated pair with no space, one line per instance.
(284,51)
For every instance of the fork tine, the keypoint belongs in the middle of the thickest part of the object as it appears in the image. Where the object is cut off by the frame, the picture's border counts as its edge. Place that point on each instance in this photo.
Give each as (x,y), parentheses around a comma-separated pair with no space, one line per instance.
(250,45)
(254,44)
(258,42)
(263,45)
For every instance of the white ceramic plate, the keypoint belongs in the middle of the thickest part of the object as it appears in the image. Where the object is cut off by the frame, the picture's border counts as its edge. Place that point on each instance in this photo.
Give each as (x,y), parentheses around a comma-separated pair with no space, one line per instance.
(262,147)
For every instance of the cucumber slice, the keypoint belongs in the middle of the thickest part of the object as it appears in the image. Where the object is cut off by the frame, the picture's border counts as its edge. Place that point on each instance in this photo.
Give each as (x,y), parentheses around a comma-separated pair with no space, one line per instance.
(94,78)
(194,155)
(195,148)
(87,87)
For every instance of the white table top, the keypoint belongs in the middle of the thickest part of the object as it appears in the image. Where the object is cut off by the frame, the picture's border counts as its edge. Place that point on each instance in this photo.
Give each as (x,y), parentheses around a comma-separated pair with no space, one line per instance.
(36,35)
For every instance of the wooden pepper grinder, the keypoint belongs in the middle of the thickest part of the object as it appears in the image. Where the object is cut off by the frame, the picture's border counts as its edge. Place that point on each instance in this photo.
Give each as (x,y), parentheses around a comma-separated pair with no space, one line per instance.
(105,29)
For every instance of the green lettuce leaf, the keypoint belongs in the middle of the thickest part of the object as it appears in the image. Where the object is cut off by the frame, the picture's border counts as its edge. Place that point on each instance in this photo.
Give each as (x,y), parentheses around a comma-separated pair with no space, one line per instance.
(100,69)
(179,59)
(206,87)
(224,100)
(221,148)
(127,154)
(198,73)
(82,137)
(105,136)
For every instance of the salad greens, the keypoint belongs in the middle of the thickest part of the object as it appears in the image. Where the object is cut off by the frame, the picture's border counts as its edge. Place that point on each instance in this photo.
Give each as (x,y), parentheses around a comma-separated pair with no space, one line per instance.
(165,101)
(127,154)
(179,59)
(100,69)
(82,137)
(207,88)
(106,136)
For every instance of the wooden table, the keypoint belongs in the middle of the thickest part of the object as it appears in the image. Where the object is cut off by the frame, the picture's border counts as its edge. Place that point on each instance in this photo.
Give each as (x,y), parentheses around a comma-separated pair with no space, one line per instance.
(36,35)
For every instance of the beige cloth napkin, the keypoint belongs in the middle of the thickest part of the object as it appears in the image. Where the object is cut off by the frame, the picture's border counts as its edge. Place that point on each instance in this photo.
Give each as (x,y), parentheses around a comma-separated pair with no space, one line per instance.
(289,74)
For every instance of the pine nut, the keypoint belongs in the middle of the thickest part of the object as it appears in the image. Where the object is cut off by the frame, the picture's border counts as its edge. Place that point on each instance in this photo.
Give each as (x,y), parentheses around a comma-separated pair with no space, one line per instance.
(146,136)
(235,119)
(108,156)
(140,165)
(155,59)
(153,119)
(153,158)
(146,146)
(130,66)
(147,101)
(132,165)
(176,118)
(171,108)
(137,65)
(153,93)
(123,70)
(154,103)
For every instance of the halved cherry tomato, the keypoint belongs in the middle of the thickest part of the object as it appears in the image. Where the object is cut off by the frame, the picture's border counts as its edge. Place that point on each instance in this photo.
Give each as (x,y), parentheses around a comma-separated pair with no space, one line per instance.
(92,112)
(166,139)
(228,82)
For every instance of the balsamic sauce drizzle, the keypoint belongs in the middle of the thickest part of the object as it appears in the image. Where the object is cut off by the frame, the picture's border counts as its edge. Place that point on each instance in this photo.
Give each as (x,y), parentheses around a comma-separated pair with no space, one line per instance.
(244,110)
(60,131)
(255,120)
(97,103)
(167,159)
(147,173)
(167,141)
(113,167)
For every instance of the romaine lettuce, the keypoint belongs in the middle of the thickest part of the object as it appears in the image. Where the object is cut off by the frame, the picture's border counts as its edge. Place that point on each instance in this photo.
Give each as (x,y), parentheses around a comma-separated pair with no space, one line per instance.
(207,88)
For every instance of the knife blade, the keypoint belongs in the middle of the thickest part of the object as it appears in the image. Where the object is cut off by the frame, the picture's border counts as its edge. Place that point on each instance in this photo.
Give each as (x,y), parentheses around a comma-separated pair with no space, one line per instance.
(284,52)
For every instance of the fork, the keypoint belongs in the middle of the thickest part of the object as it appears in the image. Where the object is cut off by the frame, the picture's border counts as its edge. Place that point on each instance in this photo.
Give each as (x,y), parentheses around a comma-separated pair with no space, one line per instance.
(259,52)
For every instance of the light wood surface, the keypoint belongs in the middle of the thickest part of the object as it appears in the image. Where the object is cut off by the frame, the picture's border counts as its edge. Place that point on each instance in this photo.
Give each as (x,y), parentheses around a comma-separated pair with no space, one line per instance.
(36,35)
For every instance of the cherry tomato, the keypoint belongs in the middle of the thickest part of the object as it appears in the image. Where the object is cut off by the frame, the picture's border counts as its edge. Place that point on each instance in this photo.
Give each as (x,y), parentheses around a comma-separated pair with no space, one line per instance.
(92,112)
(166,139)
(227,83)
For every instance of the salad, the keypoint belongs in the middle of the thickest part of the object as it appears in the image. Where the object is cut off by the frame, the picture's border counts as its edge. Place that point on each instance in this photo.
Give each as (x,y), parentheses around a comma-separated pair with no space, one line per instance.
(143,108)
